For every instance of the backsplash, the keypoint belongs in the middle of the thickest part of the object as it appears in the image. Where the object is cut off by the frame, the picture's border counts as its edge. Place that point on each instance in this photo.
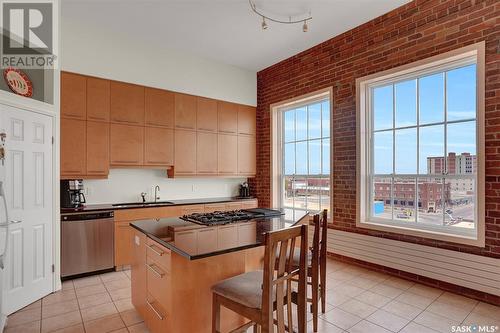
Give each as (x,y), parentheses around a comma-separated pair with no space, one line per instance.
(126,185)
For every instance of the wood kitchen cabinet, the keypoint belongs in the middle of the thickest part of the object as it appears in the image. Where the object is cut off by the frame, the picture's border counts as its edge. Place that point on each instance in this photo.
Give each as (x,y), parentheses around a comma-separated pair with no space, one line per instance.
(227,117)
(97,148)
(127,103)
(206,114)
(124,236)
(73,96)
(98,99)
(73,147)
(138,272)
(185,111)
(206,153)
(227,154)
(158,146)
(246,155)
(246,120)
(159,107)
(185,152)
(126,145)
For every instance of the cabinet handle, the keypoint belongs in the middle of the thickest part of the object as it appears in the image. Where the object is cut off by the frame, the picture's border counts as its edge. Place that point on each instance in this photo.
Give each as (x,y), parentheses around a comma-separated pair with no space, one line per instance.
(160,275)
(118,161)
(95,118)
(157,313)
(158,252)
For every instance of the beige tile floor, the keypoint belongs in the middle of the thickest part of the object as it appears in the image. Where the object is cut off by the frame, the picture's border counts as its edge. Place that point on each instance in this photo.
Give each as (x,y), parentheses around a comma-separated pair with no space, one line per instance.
(359,300)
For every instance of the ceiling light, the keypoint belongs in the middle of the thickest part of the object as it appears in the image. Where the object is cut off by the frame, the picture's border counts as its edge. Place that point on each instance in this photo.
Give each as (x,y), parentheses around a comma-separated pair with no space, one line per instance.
(291,20)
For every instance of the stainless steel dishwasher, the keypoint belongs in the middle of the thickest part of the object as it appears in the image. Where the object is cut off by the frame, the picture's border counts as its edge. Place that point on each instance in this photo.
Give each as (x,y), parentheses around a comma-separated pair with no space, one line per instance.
(87,242)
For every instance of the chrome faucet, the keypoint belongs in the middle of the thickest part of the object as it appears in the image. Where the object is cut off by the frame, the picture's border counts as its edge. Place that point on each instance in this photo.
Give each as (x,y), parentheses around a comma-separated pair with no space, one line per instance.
(157,192)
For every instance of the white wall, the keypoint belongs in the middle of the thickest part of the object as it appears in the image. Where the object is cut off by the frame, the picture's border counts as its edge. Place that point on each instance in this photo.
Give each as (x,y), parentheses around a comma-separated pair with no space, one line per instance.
(126,185)
(105,51)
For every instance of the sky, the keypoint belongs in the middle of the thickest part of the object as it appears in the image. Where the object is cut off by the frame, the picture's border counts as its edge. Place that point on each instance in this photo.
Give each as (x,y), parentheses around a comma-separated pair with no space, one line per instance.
(457,102)
(460,98)
(306,137)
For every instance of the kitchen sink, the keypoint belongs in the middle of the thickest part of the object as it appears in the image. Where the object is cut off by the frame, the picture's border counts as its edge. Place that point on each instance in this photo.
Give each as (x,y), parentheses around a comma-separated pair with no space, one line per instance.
(144,204)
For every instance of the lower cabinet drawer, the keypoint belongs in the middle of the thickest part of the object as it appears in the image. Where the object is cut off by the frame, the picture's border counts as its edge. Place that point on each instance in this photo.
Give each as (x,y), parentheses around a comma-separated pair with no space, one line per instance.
(249,204)
(156,316)
(159,254)
(158,282)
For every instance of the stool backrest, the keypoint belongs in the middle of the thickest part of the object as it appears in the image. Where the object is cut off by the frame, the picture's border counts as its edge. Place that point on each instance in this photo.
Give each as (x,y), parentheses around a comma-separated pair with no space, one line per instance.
(279,273)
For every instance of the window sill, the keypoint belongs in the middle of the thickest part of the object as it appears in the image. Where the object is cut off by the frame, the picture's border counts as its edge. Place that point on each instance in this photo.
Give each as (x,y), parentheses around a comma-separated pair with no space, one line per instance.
(430,234)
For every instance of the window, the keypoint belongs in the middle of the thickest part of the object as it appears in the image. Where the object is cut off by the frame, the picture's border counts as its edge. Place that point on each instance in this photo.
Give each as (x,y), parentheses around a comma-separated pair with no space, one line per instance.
(421,133)
(302,157)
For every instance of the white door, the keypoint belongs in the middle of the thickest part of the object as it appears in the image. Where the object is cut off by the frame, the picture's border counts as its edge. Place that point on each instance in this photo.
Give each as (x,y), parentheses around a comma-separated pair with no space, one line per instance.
(28,184)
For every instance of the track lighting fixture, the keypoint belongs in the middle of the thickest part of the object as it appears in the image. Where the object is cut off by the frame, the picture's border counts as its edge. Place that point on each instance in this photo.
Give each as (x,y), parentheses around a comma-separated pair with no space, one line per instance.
(290,20)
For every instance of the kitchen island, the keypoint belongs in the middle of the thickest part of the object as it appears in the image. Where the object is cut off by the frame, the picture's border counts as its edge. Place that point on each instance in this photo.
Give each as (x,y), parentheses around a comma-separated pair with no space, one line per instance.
(176,262)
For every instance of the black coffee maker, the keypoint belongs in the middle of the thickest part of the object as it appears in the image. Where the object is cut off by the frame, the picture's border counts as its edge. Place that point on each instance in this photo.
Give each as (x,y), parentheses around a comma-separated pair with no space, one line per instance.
(244,190)
(72,193)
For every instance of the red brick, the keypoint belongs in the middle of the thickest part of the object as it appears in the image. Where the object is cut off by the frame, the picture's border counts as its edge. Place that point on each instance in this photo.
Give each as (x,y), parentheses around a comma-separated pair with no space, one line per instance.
(415,31)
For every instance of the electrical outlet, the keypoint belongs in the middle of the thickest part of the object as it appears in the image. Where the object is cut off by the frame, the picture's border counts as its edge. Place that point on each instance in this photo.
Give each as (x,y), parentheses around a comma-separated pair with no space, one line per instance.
(193,188)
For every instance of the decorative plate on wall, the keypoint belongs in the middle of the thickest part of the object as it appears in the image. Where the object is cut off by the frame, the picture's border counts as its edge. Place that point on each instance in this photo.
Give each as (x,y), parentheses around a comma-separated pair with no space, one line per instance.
(18,82)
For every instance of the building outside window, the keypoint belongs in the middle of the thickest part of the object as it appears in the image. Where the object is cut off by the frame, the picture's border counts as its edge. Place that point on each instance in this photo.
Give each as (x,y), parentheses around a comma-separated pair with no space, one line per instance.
(420,149)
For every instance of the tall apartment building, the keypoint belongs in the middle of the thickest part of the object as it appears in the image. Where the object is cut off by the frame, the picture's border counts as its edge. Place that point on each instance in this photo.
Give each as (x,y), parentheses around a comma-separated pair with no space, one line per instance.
(461,164)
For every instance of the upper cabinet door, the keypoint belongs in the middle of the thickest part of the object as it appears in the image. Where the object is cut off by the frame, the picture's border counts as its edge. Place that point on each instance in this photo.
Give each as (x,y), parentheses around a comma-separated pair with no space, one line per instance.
(246,155)
(185,111)
(227,117)
(97,148)
(160,107)
(98,99)
(73,146)
(246,119)
(206,116)
(73,96)
(227,152)
(158,146)
(127,103)
(126,144)
(185,152)
(206,153)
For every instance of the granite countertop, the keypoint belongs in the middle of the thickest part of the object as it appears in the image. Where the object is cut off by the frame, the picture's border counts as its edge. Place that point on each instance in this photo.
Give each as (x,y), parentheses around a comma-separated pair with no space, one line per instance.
(164,203)
(171,233)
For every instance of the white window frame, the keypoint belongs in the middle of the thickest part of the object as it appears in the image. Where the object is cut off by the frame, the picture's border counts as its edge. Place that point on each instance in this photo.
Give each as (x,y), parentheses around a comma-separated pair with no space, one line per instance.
(472,53)
(276,110)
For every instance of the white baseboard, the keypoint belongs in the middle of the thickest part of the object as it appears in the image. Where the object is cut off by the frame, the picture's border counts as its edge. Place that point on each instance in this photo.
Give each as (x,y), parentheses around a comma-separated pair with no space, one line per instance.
(462,269)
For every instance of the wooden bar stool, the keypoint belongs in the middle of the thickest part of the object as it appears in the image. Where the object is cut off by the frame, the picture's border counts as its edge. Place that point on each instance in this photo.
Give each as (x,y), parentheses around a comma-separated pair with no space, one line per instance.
(316,266)
(257,295)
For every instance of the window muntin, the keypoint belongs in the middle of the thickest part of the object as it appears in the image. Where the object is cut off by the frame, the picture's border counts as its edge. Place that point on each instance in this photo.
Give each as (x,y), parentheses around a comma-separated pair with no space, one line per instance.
(423,164)
(305,156)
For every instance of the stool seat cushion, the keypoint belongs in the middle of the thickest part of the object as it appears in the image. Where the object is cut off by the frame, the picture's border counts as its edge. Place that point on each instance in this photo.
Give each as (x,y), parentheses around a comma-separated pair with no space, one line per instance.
(245,289)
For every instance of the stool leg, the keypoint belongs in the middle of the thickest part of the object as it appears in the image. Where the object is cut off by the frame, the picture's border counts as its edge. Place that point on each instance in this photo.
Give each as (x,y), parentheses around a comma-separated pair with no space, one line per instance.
(323,287)
(215,314)
(315,282)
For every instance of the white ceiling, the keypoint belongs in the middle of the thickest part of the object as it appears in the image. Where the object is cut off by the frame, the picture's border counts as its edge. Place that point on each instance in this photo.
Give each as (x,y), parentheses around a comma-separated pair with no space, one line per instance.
(228,31)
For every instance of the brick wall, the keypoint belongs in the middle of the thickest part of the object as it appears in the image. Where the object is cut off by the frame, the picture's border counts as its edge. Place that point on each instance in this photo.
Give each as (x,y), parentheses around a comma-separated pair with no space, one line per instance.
(415,31)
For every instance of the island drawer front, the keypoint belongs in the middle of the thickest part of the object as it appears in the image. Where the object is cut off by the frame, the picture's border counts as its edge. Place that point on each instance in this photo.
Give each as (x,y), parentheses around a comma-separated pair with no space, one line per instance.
(158,282)
(156,316)
(159,254)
